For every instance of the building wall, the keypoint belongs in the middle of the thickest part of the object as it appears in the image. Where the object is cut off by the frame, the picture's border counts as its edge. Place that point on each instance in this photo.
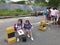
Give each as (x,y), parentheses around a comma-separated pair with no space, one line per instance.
(8,1)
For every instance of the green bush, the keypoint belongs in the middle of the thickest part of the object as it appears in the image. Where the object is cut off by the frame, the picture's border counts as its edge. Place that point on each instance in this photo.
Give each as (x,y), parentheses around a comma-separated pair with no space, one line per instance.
(41,4)
(17,12)
(19,2)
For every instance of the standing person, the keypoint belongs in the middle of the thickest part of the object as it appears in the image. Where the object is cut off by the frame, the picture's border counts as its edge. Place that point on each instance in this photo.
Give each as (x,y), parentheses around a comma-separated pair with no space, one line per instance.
(56,15)
(27,28)
(59,13)
(59,18)
(52,14)
(47,15)
(18,26)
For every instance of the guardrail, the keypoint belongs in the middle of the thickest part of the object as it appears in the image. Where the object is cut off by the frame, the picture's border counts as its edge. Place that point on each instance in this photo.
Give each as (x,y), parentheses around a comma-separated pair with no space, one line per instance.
(23,7)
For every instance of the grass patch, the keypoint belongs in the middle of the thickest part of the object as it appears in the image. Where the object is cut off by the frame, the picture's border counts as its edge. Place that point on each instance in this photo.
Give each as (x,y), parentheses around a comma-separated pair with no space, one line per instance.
(17,12)
(41,4)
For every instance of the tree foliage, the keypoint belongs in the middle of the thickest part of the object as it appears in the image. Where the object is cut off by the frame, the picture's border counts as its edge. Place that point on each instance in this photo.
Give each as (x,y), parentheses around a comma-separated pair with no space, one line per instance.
(38,1)
(2,1)
(20,2)
(54,3)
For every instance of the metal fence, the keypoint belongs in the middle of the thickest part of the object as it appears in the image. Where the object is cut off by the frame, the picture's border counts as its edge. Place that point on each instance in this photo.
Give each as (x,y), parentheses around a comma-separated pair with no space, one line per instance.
(19,6)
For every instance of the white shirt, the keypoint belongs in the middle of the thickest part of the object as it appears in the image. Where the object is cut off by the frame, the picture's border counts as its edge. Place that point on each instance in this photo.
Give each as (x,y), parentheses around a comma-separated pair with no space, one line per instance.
(56,12)
(52,13)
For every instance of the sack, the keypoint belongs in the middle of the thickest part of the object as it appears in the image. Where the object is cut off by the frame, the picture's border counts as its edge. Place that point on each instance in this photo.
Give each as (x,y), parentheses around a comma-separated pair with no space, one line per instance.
(24,39)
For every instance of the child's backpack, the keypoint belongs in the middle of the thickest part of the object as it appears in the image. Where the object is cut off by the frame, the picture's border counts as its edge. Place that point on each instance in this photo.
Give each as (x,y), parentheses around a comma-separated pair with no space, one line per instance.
(15,27)
(45,12)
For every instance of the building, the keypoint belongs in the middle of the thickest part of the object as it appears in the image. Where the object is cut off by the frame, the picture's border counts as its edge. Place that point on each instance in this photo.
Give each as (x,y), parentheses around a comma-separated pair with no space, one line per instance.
(26,1)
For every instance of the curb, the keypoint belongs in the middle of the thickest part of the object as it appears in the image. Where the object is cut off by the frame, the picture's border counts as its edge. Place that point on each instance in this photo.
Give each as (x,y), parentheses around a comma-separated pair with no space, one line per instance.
(6,17)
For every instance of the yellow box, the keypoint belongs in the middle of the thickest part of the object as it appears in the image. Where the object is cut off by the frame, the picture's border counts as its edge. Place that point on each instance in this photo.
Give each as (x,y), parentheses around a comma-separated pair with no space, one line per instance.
(11,40)
(9,30)
(10,35)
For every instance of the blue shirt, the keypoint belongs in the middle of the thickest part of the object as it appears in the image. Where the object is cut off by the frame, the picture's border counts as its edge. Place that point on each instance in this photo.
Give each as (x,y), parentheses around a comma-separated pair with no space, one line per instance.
(27,26)
(19,26)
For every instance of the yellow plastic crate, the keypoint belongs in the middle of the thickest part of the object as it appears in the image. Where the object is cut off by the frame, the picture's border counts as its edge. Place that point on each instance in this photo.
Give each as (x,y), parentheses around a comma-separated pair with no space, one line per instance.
(10,35)
(9,30)
(11,40)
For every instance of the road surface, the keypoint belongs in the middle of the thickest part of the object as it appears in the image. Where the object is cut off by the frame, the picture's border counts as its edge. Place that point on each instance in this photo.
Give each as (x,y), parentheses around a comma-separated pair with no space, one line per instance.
(49,37)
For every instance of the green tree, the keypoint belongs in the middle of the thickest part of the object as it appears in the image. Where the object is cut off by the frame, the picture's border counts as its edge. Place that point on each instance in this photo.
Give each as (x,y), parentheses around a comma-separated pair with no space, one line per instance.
(19,2)
(38,1)
(54,3)
(2,1)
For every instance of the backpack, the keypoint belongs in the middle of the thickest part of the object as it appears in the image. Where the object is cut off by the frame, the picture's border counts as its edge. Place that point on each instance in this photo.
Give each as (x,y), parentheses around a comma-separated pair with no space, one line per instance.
(24,38)
(15,27)
(45,12)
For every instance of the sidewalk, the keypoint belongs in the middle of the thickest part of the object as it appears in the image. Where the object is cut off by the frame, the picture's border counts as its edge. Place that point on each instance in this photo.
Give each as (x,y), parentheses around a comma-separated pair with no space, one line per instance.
(4,17)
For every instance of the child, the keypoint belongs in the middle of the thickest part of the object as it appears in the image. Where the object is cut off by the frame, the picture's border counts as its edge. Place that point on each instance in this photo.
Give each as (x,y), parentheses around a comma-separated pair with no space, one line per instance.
(46,14)
(27,27)
(18,27)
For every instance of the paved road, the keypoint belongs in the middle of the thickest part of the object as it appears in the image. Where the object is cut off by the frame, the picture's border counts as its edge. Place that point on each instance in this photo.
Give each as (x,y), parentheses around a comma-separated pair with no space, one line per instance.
(50,37)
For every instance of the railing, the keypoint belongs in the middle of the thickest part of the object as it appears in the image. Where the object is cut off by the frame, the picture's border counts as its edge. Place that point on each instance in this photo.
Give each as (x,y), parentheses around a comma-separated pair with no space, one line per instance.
(23,7)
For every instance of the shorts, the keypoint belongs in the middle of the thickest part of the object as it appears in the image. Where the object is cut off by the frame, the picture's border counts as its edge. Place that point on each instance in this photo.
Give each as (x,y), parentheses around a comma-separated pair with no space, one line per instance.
(47,17)
(54,17)
(28,29)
